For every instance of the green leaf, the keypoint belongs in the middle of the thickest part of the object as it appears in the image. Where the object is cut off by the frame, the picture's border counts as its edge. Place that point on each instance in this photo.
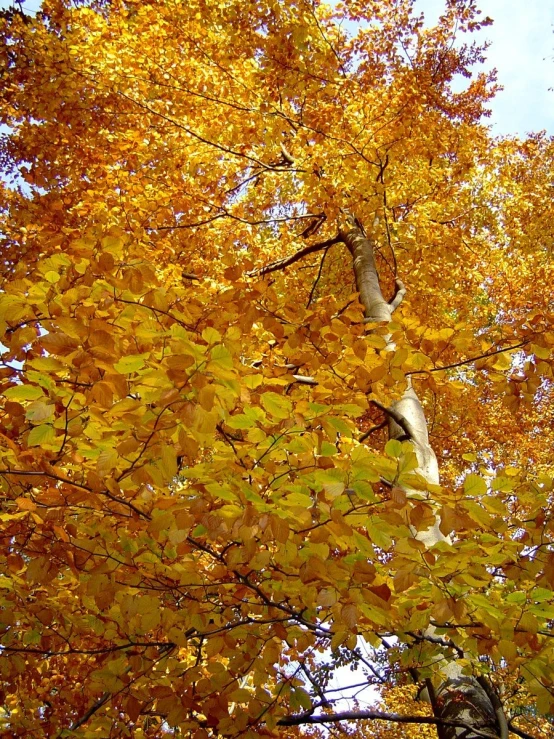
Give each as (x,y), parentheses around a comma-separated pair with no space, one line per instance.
(211,335)
(240,421)
(393,448)
(541,594)
(23,392)
(278,405)
(517,597)
(40,435)
(253,381)
(328,449)
(474,485)
(376,533)
(298,499)
(333,489)
(131,363)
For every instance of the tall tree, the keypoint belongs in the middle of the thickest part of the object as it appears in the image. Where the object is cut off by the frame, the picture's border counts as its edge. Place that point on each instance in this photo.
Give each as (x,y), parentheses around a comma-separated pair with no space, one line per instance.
(265,273)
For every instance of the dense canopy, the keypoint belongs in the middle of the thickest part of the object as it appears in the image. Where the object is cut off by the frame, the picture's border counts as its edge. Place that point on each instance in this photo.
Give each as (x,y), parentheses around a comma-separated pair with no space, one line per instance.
(265,274)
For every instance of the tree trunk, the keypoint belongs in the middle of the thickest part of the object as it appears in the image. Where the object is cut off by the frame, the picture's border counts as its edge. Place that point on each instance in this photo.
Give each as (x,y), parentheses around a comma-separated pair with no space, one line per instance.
(459,697)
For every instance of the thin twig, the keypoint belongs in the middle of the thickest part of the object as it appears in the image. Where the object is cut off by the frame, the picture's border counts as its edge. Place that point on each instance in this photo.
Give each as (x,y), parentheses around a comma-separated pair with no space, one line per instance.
(317,279)
(469,361)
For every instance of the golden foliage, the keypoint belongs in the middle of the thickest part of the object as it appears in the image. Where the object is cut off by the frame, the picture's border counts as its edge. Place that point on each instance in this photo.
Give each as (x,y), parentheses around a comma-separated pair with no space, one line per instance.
(194,517)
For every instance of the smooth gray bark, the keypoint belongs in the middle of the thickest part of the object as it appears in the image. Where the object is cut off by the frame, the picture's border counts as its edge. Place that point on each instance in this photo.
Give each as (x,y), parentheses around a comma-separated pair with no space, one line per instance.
(367,280)
(459,697)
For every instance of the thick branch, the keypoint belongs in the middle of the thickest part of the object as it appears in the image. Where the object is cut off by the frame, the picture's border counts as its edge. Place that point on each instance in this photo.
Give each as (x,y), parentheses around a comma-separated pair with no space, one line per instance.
(310,718)
(287,261)
(437,640)
(519,732)
(398,418)
(497,705)
(372,430)
(286,156)
(398,296)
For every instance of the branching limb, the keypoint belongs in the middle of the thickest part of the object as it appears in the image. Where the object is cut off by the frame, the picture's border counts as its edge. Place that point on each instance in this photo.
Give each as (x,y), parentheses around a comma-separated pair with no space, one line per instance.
(398,295)
(309,718)
(287,261)
(519,732)
(304,380)
(91,711)
(397,418)
(317,688)
(497,705)
(437,640)
(472,359)
(286,156)
(372,430)
(314,226)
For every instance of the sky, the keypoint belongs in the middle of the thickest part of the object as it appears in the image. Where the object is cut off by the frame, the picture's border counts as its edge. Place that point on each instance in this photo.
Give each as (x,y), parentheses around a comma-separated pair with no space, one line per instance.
(522,50)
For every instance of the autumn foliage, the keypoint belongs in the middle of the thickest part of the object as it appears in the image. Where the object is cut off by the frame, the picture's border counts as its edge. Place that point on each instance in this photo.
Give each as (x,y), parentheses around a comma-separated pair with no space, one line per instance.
(203,515)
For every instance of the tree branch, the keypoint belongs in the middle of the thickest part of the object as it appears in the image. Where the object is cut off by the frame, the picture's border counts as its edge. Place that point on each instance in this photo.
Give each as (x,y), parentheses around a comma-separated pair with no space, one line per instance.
(287,261)
(469,361)
(396,417)
(309,718)
(497,706)
(437,640)
(317,279)
(97,705)
(519,732)
(398,295)
(286,156)
(59,478)
(370,431)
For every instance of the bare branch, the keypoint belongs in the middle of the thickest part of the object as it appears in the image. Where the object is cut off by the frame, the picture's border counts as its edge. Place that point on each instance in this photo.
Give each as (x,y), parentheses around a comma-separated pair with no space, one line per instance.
(472,359)
(286,156)
(317,279)
(519,732)
(303,380)
(310,718)
(497,706)
(91,711)
(287,261)
(399,294)
(396,417)
(370,431)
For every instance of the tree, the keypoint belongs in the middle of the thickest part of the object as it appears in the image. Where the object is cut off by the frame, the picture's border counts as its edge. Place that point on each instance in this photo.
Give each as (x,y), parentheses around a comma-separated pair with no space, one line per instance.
(264,277)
